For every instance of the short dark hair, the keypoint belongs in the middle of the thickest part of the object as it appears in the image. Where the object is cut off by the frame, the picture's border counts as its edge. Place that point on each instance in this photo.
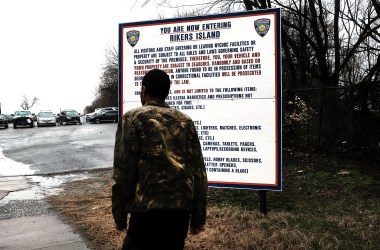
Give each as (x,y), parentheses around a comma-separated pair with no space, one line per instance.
(156,83)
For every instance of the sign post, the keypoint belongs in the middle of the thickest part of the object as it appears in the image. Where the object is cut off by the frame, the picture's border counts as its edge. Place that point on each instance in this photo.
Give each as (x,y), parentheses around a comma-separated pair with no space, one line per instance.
(226,74)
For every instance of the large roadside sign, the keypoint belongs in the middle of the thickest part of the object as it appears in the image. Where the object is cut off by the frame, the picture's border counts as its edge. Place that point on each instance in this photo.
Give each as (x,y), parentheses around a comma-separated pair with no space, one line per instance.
(226,74)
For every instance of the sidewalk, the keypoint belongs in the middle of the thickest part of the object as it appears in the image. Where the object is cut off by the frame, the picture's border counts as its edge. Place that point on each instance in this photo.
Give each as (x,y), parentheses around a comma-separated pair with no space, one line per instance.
(21,227)
(38,232)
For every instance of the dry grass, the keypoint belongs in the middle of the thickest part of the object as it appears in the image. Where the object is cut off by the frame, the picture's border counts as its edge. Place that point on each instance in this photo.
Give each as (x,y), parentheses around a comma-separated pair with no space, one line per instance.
(314,211)
(88,209)
(232,228)
(86,205)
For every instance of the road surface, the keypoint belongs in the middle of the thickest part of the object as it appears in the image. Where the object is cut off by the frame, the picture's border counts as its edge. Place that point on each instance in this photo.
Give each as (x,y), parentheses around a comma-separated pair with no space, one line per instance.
(34,162)
(47,150)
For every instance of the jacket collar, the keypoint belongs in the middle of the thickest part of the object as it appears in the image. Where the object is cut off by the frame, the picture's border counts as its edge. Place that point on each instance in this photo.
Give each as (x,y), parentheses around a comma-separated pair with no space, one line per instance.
(158,103)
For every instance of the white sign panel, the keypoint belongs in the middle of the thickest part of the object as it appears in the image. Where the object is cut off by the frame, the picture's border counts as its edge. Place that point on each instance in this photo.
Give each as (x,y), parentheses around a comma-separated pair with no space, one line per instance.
(226,74)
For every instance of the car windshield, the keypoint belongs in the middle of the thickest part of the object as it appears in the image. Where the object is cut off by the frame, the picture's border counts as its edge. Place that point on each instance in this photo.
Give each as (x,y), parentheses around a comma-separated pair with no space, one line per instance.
(23,113)
(45,114)
(2,117)
(71,113)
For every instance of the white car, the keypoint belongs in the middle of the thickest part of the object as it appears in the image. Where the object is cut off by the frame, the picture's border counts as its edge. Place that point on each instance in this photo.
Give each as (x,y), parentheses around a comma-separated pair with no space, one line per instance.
(46,118)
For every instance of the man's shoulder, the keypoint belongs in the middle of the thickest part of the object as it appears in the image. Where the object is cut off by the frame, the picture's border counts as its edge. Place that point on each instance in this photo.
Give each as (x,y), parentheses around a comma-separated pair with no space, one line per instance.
(147,111)
(182,115)
(134,112)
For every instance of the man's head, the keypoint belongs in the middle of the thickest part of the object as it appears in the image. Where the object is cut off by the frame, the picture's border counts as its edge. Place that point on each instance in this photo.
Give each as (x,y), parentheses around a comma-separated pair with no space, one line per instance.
(155,85)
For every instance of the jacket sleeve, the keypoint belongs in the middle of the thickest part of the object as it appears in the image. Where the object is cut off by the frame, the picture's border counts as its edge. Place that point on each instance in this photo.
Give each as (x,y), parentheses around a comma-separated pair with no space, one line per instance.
(124,171)
(198,211)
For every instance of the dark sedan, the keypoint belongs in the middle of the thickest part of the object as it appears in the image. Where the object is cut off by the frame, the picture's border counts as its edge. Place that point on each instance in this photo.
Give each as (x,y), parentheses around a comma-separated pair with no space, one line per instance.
(104,116)
(10,118)
(68,116)
(23,118)
(3,121)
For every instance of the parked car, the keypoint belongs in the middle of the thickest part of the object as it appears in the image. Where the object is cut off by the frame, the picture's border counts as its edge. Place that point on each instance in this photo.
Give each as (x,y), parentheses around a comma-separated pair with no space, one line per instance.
(10,118)
(3,121)
(45,118)
(89,115)
(105,116)
(107,108)
(68,116)
(23,118)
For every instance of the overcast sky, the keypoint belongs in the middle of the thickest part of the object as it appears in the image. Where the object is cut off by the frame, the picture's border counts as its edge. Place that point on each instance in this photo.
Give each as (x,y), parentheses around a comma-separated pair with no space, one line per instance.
(54,49)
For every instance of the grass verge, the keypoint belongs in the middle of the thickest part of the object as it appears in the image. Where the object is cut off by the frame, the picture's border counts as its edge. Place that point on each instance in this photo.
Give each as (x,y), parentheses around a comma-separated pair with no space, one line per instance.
(326,203)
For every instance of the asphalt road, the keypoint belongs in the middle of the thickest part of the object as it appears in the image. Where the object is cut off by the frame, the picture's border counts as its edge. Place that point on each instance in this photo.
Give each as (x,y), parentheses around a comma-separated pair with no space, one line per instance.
(34,162)
(66,148)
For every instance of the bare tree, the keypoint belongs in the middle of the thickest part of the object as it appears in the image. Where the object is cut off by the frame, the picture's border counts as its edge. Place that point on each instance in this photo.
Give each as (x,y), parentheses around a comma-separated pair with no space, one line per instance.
(106,94)
(27,104)
(188,8)
(376,5)
(331,56)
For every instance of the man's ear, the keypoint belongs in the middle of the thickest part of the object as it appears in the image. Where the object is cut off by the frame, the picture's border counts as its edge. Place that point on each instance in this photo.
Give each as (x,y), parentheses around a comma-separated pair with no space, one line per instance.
(143,91)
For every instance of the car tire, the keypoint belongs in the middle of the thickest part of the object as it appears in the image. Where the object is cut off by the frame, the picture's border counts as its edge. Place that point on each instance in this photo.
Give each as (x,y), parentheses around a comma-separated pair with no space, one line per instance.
(6,126)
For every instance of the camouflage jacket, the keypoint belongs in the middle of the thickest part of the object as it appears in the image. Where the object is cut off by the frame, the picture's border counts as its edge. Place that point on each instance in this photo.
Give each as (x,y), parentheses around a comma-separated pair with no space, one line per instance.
(158,163)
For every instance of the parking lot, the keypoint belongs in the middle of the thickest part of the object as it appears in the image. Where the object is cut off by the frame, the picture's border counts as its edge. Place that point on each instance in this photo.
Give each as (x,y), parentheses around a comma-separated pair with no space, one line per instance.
(56,149)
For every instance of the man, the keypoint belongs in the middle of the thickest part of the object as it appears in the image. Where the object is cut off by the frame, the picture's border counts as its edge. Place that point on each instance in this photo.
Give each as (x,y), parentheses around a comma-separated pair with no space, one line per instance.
(159,173)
